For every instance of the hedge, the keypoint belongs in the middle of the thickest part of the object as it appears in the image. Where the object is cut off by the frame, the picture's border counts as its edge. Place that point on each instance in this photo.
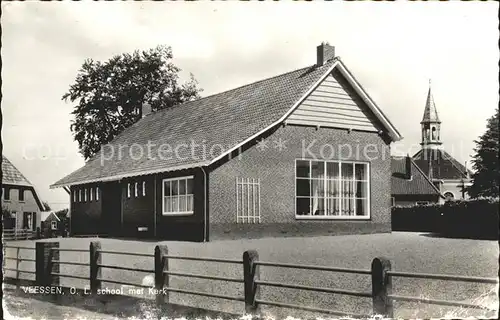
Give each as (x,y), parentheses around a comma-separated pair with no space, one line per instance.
(477,218)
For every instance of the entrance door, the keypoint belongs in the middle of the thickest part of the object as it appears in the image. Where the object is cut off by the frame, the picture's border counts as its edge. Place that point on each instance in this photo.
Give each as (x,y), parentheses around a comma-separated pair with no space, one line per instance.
(111,208)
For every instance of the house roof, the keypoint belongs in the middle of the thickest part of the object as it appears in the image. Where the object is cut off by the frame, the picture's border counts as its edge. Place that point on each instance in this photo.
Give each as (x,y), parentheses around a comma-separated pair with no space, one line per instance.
(430,111)
(443,165)
(46,214)
(419,184)
(11,175)
(200,132)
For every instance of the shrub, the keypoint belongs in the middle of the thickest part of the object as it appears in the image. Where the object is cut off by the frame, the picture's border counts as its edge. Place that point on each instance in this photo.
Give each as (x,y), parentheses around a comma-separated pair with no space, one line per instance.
(476,218)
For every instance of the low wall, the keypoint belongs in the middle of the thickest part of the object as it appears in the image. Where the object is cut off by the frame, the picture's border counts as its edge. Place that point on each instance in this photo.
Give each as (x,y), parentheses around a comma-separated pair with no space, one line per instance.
(296,229)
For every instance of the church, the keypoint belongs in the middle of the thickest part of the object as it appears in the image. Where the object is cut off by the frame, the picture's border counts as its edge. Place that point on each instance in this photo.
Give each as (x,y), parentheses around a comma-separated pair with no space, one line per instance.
(431,175)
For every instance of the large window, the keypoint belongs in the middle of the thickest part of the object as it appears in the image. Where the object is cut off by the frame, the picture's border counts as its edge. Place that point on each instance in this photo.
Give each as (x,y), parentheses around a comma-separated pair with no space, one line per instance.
(332,189)
(178,196)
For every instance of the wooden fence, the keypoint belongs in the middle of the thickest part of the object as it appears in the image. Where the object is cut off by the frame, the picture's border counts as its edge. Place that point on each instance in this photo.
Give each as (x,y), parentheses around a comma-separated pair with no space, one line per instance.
(47,273)
(18,234)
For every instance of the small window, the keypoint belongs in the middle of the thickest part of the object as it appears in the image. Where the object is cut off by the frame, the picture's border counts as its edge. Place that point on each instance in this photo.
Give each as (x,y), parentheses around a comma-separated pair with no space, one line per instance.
(143,188)
(53,225)
(80,195)
(91,191)
(136,189)
(128,190)
(96,193)
(421,203)
(85,195)
(393,201)
(448,196)
(7,194)
(74,195)
(21,195)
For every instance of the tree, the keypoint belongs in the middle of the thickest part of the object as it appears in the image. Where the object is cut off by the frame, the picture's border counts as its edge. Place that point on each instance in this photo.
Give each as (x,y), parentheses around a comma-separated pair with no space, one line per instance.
(485,179)
(46,206)
(62,214)
(109,95)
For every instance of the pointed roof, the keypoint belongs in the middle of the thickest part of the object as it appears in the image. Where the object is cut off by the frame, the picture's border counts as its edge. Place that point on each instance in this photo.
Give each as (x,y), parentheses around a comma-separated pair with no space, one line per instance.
(419,184)
(440,165)
(12,175)
(230,119)
(430,111)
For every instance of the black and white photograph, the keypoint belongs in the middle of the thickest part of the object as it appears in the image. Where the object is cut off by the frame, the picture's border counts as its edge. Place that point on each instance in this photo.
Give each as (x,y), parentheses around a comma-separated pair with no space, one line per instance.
(274,160)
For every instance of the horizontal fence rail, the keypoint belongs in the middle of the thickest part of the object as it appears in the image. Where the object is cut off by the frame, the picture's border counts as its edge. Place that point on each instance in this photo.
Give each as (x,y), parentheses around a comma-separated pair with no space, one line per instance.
(201,276)
(311,309)
(47,272)
(127,253)
(125,268)
(446,277)
(124,283)
(438,302)
(19,247)
(313,267)
(205,259)
(204,294)
(316,289)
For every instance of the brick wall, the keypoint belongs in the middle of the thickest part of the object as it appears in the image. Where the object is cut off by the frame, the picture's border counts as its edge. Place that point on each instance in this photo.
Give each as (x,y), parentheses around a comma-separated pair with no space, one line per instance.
(276,171)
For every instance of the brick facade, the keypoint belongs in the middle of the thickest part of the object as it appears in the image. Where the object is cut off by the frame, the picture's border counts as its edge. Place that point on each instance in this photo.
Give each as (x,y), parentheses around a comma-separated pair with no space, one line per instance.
(276,171)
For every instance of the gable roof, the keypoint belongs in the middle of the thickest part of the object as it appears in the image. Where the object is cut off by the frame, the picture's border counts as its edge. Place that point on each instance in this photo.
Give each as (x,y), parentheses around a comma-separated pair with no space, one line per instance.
(203,131)
(46,214)
(443,165)
(419,184)
(12,175)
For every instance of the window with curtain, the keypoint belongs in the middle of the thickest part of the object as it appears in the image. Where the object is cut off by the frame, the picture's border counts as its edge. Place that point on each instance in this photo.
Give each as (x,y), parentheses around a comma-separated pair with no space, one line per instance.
(178,196)
(332,189)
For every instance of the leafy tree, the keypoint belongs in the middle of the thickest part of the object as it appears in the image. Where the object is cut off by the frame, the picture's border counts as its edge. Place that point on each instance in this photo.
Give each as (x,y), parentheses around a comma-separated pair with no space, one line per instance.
(485,162)
(109,95)
(62,214)
(46,206)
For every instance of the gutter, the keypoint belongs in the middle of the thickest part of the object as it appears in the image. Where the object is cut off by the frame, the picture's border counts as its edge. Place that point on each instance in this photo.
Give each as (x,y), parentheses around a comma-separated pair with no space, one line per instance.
(204,204)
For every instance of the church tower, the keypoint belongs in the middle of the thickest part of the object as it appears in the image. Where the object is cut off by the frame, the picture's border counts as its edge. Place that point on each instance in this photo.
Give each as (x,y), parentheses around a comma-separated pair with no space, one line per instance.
(430,124)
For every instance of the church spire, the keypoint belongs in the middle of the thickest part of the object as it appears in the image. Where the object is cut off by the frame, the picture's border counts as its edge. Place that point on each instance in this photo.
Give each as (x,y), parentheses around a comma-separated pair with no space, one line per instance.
(431,125)
(430,111)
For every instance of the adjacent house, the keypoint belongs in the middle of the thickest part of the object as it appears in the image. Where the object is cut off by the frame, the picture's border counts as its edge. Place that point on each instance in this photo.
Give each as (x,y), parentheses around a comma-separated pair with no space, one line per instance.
(409,185)
(449,175)
(304,152)
(19,198)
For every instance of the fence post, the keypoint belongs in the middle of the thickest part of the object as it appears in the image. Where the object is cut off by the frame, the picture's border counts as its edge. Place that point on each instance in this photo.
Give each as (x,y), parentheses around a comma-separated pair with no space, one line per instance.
(382,287)
(161,278)
(95,269)
(251,274)
(44,265)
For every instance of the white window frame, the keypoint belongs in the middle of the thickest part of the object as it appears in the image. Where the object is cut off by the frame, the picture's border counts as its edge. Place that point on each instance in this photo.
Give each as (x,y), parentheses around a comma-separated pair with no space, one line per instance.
(53,225)
(96,193)
(85,195)
(90,195)
(331,217)
(176,213)
(247,192)
(143,188)
(136,189)
(79,195)
(128,190)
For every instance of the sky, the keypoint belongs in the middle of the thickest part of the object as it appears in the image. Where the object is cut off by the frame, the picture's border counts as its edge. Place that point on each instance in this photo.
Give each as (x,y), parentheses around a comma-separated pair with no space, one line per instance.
(393,49)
